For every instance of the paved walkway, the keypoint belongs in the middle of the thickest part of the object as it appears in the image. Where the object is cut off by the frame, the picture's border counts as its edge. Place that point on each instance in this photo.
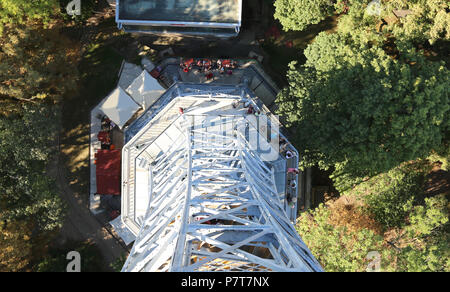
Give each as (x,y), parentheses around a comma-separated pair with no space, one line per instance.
(81,224)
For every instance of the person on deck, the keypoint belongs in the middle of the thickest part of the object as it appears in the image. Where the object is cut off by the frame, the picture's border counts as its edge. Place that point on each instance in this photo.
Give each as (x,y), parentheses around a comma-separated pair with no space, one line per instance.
(284,146)
(289,154)
(293,170)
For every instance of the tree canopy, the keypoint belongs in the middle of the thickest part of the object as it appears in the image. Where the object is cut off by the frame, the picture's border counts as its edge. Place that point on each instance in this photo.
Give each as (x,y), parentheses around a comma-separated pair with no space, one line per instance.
(18,11)
(15,245)
(38,68)
(26,143)
(337,248)
(361,111)
(416,249)
(388,214)
(36,64)
(298,14)
(426,20)
(370,103)
(429,20)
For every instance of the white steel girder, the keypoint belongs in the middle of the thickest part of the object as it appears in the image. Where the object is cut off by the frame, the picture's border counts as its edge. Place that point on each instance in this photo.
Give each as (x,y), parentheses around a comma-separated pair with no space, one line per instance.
(214,207)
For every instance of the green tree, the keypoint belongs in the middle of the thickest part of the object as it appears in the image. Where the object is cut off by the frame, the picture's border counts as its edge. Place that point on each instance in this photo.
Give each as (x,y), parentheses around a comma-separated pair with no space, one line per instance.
(425,220)
(37,69)
(26,191)
(426,21)
(356,20)
(442,155)
(429,20)
(335,247)
(298,14)
(36,64)
(417,229)
(18,11)
(422,244)
(427,237)
(390,197)
(362,112)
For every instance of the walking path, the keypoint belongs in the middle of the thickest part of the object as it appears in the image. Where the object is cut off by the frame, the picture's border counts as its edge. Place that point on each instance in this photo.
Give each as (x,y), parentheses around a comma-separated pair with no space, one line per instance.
(81,224)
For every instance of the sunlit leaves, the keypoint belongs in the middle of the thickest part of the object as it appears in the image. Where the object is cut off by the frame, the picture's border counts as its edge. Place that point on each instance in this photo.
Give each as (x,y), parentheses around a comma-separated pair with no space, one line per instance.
(353,105)
(298,14)
(335,247)
(18,11)
(15,245)
(36,64)
(26,192)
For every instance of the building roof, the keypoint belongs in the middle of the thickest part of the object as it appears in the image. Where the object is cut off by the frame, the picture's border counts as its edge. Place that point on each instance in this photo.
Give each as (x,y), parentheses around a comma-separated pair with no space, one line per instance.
(119,107)
(224,11)
(145,90)
(400,13)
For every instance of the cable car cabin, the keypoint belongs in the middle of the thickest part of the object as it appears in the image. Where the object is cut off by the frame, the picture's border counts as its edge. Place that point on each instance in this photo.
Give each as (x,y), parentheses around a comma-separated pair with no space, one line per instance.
(219,18)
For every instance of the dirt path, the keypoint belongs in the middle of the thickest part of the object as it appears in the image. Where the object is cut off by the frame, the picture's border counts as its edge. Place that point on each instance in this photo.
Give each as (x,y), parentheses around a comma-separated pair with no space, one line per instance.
(81,224)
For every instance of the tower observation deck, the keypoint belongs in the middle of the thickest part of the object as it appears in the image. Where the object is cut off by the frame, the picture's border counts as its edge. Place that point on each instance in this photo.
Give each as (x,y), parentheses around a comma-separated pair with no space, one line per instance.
(200,189)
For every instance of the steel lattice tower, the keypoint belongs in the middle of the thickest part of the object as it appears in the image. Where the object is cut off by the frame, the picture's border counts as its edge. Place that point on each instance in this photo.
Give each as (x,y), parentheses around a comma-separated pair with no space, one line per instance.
(213,203)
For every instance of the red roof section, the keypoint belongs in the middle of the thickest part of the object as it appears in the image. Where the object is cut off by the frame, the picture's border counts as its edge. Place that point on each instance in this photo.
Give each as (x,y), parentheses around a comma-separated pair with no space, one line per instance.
(108,168)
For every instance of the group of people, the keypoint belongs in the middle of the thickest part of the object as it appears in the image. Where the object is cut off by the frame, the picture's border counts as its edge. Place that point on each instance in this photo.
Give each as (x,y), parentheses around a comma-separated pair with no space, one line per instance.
(284,148)
(291,187)
(104,136)
(250,108)
(208,66)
